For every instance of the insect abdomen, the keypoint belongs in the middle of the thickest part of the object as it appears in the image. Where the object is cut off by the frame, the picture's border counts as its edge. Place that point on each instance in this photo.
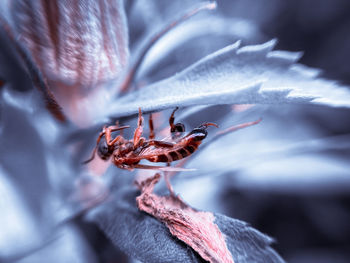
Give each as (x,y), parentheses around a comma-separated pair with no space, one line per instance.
(174,155)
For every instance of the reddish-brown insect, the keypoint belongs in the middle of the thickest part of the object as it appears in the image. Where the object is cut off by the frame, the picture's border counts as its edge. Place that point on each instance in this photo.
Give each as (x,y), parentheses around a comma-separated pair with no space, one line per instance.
(127,154)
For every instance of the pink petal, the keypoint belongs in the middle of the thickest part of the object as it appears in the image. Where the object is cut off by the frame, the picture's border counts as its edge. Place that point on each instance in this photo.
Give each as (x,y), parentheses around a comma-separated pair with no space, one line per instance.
(197,229)
(74,41)
(78,45)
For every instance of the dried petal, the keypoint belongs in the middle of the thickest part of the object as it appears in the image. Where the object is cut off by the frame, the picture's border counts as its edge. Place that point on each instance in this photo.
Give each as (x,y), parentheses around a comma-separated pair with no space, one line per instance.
(147,239)
(197,229)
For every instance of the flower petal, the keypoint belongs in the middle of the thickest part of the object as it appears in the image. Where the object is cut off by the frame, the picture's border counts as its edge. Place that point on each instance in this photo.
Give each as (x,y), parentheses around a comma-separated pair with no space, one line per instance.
(74,41)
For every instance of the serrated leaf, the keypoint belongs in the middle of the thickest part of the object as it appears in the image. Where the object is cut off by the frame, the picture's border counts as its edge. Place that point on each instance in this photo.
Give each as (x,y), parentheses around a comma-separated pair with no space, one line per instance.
(246,243)
(193,40)
(234,75)
(143,237)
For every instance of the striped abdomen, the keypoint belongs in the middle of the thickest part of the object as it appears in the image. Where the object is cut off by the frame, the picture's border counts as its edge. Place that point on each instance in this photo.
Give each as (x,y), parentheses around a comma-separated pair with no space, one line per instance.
(175,153)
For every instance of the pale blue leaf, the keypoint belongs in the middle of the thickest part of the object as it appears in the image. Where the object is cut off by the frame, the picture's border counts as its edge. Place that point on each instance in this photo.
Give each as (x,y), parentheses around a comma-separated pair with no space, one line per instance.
(234,75)
(191,41)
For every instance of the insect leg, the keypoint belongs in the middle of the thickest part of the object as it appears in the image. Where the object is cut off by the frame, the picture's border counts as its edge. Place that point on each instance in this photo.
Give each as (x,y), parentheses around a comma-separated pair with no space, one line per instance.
(108,133)
(175,129)
(167,181)
(139,129)
(160,168)
(104,131)
(115,139)
(172,119)
(151,128)
(116,127)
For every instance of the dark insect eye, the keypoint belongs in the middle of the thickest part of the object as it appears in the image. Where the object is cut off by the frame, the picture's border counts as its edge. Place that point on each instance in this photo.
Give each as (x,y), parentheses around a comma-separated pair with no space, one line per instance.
(199,134)
(103,150)
(179,127)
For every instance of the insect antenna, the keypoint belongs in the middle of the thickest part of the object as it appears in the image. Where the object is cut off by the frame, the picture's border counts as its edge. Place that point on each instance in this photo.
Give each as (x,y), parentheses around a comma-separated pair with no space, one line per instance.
(207,124)
(126,84)
(219,134)
(236,127)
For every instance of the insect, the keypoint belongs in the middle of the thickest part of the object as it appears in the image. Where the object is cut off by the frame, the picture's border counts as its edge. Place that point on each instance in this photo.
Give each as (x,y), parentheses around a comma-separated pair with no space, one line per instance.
(126,154)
